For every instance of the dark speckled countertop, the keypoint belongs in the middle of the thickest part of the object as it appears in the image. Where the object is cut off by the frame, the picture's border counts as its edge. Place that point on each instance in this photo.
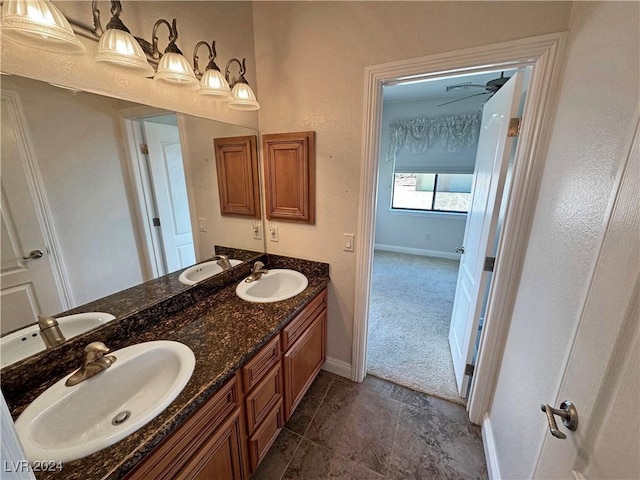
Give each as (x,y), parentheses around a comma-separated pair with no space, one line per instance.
(224,332)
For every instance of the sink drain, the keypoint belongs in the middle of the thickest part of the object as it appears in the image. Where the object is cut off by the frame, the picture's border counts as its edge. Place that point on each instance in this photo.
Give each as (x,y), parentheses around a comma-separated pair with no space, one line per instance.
(121,417)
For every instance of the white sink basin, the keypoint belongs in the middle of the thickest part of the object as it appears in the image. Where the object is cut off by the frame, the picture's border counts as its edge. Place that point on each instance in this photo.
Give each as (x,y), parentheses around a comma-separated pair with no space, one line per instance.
(67,423)
(26,342)
(203,270)
(277,285)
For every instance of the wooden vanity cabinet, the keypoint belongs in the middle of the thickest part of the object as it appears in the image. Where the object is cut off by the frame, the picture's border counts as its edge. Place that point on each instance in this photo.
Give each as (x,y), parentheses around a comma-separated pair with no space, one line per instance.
(305,345)
(262,381)
(228,436)
(209,445)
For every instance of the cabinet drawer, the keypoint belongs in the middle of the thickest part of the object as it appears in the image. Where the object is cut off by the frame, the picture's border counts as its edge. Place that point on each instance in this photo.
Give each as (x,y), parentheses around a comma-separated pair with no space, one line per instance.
(263,397)
(266,434)
(256,368)
(168,459)
(298,325)
(302,362)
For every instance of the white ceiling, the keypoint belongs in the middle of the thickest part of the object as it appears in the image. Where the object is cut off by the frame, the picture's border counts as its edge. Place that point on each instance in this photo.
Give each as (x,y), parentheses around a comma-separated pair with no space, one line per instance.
(430,89)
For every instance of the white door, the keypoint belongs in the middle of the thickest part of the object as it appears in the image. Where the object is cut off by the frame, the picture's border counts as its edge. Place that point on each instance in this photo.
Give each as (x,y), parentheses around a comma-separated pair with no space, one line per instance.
(28,286)
(601,374)
(170,190)
(494,149)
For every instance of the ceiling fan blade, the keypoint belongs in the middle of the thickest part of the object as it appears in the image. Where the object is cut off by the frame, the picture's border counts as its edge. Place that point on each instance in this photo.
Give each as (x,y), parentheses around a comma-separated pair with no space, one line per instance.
(464,85)
(463,98)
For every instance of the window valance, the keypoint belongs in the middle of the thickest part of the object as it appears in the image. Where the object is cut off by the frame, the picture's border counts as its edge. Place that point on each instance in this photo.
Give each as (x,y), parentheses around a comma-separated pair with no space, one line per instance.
(455,133)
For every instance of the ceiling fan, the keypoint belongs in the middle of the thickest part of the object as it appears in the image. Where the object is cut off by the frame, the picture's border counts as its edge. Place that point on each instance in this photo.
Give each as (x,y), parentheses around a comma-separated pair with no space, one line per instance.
(491,87)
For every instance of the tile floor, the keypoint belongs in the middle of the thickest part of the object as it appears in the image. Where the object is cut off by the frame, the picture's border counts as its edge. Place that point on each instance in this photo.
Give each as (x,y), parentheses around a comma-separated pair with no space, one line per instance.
(374,430)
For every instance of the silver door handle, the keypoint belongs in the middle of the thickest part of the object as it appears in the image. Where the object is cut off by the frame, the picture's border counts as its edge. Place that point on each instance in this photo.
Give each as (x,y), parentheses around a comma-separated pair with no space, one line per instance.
(34,255)
(567,412)
(459,249)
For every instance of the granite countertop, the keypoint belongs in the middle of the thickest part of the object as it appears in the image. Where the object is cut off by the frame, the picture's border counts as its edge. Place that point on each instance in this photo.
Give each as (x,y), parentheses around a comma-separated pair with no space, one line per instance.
(224,332)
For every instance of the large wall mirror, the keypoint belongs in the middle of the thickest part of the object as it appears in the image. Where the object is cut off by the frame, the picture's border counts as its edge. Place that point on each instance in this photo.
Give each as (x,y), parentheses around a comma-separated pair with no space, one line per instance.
(124,192)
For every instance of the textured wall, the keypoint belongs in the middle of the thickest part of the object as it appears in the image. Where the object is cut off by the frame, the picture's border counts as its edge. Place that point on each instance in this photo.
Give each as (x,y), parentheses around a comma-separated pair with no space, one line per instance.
(596,114)
(77,145)
(310,66)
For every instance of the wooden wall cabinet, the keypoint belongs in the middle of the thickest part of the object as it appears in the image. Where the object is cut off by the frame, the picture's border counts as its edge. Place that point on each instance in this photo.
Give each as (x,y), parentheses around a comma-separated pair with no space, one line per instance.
(289,163)
(238,180)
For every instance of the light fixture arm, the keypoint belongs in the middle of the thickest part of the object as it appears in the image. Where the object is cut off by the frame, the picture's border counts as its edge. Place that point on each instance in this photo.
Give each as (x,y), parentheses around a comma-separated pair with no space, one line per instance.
(243,70)
(97,25)
(212,56)
(173,36)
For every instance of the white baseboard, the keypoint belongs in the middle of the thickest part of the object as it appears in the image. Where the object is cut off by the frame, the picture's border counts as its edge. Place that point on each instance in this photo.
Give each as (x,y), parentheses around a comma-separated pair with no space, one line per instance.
(417,251)
(490,453)
(333,365)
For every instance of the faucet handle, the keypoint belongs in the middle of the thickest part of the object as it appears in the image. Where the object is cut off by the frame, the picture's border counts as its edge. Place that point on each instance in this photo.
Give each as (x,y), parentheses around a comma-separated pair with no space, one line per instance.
(257,266)
(94,351)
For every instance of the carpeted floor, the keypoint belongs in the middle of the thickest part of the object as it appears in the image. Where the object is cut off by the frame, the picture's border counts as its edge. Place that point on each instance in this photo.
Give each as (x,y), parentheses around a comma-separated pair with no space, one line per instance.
(409,316)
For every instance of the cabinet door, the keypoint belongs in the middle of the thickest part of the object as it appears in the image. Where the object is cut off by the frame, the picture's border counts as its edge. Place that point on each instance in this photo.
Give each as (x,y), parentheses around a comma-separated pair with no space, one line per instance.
(303,361)
(289,165)
(220,458)
(237,170)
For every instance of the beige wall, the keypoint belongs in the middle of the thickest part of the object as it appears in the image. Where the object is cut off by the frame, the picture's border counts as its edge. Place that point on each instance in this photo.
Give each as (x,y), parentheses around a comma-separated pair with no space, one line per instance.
(229,23)
(311,58)
(597,111)
(77,145)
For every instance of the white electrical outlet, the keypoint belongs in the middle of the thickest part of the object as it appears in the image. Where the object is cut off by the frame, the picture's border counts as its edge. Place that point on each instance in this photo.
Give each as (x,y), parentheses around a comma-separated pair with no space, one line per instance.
(348,240)
(273,233)
(257,231)
(428,236)
(203,224)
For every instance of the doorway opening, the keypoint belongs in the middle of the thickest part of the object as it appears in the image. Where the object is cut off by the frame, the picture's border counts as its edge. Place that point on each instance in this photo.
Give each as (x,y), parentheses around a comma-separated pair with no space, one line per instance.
(542,54)
(155,157)
(425,186)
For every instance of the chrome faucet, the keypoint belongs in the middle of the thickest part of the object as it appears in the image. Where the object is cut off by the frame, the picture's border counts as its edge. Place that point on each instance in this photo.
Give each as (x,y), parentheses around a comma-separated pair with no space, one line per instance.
(223,261)
(256,272)
(94,363)
(50,331)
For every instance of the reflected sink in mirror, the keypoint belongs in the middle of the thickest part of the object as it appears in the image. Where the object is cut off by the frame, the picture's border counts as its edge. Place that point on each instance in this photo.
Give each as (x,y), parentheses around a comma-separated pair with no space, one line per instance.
(67,423)
(27,341)
(202,271)
(274,286)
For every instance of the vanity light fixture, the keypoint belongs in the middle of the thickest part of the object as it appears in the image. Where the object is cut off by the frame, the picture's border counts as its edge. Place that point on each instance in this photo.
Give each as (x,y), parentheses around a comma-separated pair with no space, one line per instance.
(173,67)
(39,24)
(118,47)
(212,81)
(243,97)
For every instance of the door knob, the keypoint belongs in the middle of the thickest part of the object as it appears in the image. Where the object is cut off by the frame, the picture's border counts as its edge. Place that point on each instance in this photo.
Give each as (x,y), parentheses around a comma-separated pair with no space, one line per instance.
(34,255)
(567,412)
(460,249)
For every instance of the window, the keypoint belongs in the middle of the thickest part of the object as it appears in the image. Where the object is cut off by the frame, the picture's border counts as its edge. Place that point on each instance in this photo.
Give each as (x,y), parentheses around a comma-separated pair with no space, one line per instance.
(432,192)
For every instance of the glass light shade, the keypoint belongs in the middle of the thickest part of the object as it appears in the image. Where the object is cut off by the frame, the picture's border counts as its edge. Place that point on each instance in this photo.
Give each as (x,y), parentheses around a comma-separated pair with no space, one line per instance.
(243,98)
(39,24)
(119,48)
(213,84)
(174,68)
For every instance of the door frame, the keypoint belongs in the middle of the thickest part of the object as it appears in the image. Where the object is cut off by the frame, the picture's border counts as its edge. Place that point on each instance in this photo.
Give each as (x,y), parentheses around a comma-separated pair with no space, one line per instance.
(543,54)
(149,241)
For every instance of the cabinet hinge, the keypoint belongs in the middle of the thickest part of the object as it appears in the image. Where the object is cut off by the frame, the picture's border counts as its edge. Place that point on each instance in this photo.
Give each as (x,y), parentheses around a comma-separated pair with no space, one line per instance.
(468,370)
(156,222)
(514,127)
(144,149)
(489,263)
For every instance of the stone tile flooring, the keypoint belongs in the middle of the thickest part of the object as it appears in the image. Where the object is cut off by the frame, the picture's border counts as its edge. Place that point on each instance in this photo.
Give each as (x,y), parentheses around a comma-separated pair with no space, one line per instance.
(374,430)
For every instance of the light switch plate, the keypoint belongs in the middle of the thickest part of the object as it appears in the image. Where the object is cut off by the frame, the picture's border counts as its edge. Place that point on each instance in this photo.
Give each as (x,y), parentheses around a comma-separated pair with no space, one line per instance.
(348,241)
(203,224)
(273,233)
